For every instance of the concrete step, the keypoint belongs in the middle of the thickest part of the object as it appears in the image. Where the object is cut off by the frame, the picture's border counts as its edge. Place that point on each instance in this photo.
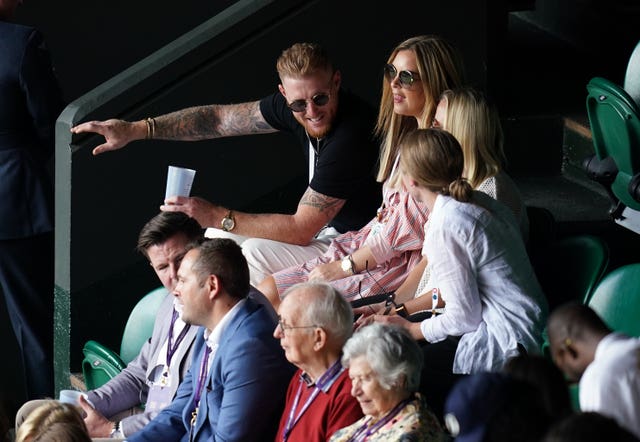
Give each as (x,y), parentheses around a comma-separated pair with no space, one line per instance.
(548,168)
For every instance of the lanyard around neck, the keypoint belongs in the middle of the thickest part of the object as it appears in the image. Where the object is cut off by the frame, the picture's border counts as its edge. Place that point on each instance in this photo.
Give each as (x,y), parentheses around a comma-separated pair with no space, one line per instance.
(327,378)
(365,430)
(173,347)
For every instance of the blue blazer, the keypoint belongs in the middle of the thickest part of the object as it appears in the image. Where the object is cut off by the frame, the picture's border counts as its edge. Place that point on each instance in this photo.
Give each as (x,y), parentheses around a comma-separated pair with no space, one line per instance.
(244,393)
(30,103)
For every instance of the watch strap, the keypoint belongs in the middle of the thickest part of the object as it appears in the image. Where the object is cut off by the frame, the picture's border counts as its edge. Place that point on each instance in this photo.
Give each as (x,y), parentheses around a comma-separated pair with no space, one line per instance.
(401,311)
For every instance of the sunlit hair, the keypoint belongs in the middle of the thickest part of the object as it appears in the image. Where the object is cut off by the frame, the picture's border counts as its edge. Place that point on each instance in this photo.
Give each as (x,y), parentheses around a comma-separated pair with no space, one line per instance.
(433,158)
(53,421)
(476,124)
(327,309)
(222,257)
(440,68)
(391,353)
(303,59)
(164,226)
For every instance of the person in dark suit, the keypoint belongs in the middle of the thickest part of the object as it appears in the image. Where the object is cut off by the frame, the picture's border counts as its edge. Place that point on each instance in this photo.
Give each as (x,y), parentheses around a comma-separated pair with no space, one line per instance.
(30,102)
(235,388)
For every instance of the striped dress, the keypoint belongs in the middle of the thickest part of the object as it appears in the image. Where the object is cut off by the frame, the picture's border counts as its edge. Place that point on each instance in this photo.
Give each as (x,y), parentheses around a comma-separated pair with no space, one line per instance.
(395,242)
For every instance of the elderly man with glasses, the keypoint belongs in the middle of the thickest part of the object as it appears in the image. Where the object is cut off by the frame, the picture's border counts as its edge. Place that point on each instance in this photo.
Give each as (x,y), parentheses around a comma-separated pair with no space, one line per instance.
(315,322)
(333,126)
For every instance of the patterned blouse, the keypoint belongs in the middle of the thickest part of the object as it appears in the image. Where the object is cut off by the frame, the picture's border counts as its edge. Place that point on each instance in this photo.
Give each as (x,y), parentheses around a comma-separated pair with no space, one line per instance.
(414,420)
(395,241)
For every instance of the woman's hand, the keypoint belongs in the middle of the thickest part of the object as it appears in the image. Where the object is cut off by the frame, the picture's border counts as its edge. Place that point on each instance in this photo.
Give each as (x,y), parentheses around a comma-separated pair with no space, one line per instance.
(328,272)
(383,319)
(366,311)
(412,327)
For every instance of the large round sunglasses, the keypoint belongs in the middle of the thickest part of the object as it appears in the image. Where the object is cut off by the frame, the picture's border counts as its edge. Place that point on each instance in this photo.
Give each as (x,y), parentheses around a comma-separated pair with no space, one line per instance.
(301,105)
(405,78)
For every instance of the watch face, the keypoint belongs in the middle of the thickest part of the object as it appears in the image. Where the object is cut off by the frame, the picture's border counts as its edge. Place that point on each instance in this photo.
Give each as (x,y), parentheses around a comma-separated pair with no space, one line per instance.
(346,264)
(228,224)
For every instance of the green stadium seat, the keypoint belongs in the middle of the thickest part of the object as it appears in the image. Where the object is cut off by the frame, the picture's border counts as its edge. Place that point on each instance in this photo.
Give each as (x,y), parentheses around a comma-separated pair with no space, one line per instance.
(100,363)
(615,126)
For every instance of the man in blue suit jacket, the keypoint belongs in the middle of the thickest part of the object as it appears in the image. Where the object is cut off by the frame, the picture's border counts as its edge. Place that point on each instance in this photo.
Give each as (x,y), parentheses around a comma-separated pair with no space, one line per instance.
(30,102)
(235,388)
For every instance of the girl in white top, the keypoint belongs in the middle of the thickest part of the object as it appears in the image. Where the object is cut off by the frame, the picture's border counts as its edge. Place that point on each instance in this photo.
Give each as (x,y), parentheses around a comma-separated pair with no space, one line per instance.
(480,270)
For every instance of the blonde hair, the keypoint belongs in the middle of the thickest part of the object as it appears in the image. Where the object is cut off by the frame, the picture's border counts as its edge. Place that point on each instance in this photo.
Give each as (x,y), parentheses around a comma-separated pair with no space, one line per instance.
(303,59)
(476,125)
(433,158)
(53,421)
(440,68)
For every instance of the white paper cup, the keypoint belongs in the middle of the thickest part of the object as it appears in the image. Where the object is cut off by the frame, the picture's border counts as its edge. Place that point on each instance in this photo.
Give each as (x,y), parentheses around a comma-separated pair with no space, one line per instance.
(71,396)
(179,181)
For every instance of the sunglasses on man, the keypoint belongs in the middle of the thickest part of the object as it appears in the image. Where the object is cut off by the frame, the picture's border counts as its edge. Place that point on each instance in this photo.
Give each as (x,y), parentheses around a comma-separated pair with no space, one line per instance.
(301,105)
(405,78)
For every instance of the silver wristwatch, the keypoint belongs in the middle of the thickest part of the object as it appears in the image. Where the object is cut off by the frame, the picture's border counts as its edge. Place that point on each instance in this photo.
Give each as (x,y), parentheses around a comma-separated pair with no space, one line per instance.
(347,265)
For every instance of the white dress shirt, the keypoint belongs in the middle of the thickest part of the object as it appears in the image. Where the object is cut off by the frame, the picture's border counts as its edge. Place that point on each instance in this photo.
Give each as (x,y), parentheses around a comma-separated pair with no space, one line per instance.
(479,263)
(611,383)
(213,336)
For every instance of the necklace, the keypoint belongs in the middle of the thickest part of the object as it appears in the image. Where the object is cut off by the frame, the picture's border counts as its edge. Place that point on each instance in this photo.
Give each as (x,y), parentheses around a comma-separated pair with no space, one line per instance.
(365,430)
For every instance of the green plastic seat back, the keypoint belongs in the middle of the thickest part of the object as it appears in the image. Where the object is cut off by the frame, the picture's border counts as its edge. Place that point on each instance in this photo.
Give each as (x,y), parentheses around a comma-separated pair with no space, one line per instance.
(616,299)
(615,127)
(139,326)
(569,270)
(99,364)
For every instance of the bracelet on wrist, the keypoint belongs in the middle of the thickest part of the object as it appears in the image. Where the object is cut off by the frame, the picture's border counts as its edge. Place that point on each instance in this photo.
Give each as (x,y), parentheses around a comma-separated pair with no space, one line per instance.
(151,128)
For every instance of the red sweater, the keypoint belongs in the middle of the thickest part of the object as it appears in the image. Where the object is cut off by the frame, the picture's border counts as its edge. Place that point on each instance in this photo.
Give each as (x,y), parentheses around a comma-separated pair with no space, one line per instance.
(328,412)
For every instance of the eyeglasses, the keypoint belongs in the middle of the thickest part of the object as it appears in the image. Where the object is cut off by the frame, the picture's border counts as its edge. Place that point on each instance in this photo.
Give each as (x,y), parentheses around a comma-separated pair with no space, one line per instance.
(405,78)
(301,105)
(284,327)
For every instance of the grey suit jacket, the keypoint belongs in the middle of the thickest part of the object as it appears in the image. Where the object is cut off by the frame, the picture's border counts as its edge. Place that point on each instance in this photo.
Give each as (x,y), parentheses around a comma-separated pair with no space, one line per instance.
(130,387)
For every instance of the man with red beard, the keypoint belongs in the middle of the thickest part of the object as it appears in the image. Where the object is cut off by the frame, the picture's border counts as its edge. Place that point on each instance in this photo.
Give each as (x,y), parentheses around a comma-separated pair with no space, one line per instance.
(333,126)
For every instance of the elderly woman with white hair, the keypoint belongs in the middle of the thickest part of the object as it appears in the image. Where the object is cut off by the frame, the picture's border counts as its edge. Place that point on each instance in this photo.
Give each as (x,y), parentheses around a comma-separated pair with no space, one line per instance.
(384,364)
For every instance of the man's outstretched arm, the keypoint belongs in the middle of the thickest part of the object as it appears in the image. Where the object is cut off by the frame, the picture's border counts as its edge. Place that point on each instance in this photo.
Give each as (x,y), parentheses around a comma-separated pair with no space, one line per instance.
(190,124)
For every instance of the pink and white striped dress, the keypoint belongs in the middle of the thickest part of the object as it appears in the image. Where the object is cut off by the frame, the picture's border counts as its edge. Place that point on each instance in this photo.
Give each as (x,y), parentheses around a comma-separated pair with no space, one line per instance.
(395,241)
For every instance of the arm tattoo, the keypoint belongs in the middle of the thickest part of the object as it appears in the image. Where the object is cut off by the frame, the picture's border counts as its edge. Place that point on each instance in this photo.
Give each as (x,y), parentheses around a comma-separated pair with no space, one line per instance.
(323,203)
(212,121)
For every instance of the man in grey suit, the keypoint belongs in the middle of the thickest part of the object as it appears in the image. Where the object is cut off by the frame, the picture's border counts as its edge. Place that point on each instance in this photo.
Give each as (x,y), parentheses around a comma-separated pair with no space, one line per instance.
(152,378)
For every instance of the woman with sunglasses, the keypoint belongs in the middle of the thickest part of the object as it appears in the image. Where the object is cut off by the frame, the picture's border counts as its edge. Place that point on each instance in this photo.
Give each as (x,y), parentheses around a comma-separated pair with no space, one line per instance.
(495,308)
(376,258)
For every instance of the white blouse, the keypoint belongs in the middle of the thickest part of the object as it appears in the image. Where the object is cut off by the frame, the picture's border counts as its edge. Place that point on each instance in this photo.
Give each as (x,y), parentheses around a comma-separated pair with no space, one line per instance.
(479,263)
